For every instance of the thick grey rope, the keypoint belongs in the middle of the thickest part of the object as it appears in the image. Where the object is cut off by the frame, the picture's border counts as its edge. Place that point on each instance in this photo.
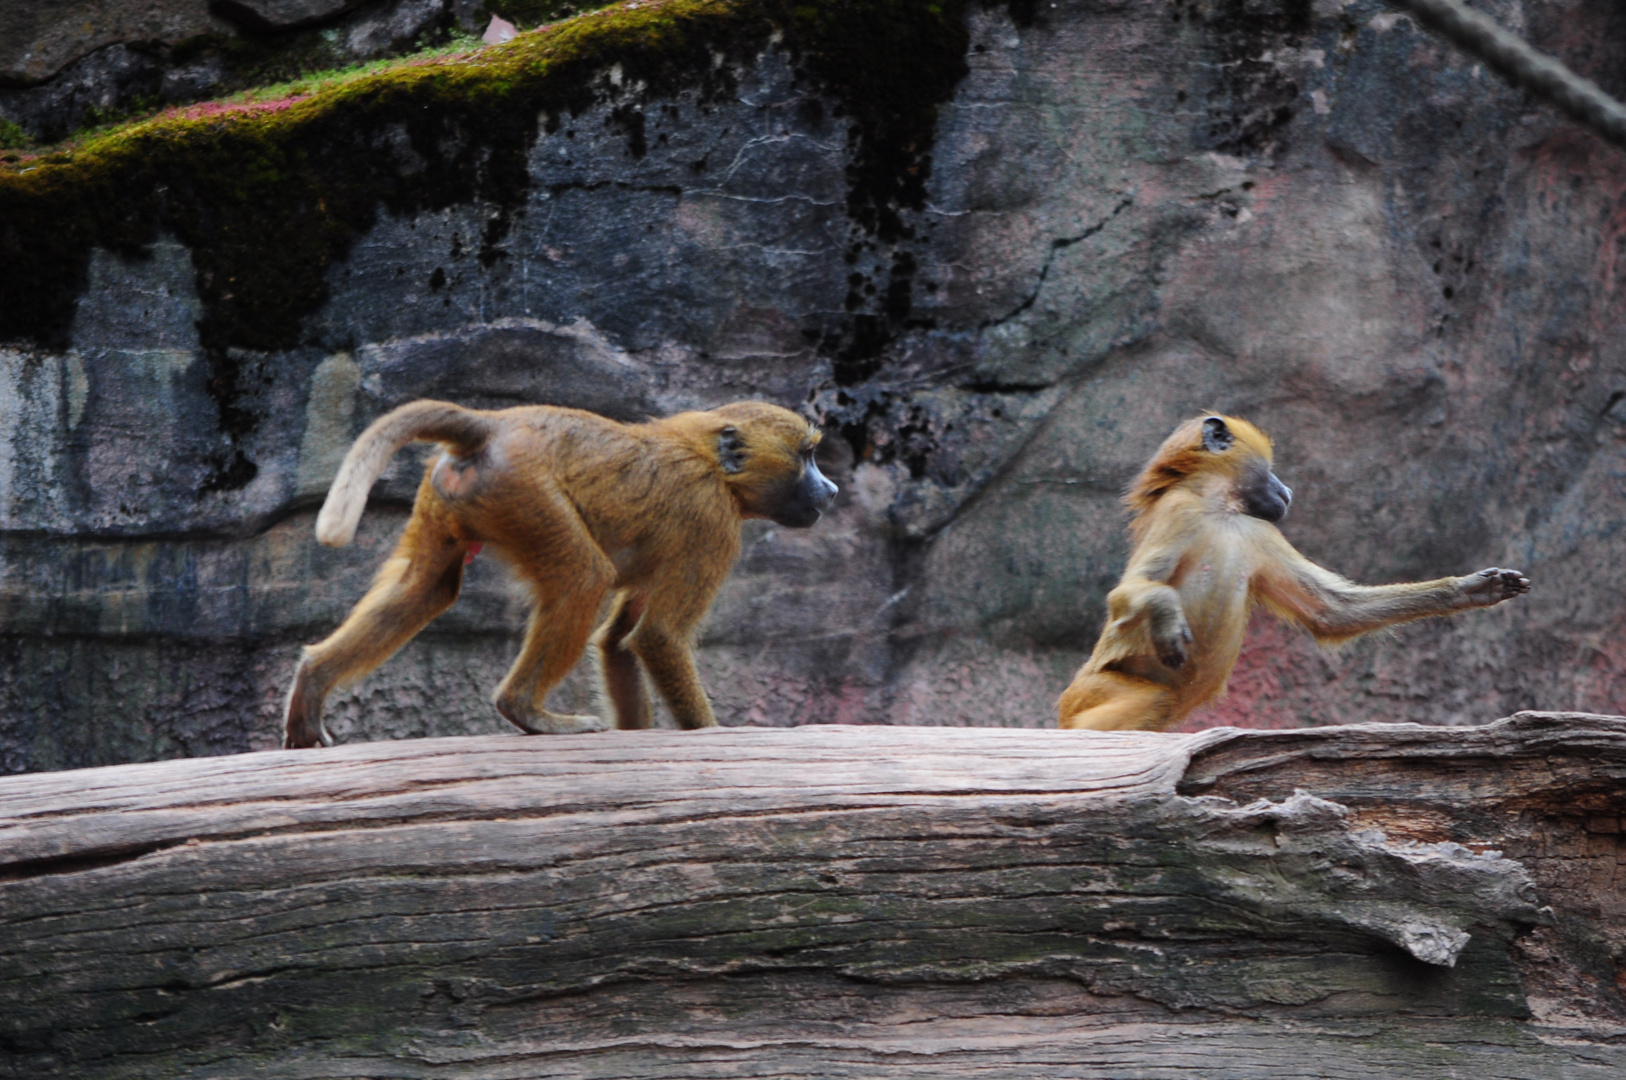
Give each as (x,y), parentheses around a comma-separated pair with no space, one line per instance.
(1508,56)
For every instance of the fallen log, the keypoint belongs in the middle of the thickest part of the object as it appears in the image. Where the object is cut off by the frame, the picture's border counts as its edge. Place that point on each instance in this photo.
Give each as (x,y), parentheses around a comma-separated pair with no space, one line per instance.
(1373,901)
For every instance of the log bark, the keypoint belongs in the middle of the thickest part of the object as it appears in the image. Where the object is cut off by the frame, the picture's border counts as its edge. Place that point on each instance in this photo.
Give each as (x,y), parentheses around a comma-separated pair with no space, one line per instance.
(1372,901)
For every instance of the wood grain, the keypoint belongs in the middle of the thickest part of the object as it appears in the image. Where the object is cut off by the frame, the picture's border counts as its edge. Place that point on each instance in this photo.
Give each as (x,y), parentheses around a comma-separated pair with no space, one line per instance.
(820,901)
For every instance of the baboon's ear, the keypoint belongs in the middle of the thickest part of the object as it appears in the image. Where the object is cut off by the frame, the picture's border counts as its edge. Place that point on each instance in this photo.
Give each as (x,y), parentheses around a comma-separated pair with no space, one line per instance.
(730,450)
(1217,437)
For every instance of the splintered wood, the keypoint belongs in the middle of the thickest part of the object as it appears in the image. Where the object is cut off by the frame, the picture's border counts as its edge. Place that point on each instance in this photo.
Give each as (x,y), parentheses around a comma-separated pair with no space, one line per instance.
(1385,901)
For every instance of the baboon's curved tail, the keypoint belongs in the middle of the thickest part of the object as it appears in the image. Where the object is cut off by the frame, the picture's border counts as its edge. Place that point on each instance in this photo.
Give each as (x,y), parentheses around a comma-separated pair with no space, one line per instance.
(464,430)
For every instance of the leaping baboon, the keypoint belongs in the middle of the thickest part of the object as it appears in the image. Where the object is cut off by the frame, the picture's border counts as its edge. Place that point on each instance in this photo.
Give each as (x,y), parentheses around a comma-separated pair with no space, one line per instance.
(1206,550)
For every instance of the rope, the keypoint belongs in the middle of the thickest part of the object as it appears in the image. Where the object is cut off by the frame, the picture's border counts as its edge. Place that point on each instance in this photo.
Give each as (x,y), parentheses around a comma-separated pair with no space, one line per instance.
(1577,98)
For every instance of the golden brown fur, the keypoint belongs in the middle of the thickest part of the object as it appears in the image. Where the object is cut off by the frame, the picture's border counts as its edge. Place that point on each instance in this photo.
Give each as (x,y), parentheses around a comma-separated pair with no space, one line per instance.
(585,509)
(1206,550)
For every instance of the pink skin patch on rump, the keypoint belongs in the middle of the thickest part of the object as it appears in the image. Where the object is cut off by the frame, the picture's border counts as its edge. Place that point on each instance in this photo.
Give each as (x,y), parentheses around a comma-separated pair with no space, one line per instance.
(455,481)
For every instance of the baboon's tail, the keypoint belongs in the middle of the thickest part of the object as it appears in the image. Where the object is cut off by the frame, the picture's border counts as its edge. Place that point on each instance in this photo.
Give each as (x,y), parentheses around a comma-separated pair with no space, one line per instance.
(462,429)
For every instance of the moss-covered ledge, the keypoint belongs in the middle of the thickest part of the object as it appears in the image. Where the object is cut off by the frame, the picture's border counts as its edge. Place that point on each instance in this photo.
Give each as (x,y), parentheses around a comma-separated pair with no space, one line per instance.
(266,195)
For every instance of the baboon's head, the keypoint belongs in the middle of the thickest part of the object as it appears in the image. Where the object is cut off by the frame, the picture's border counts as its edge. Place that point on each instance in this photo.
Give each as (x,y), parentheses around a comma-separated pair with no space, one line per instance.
(1218,453)
(766,454)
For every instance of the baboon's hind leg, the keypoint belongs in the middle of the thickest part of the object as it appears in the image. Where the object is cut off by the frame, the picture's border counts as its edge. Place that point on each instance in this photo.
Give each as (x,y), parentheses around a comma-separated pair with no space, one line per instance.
(1112,701)
(418,582)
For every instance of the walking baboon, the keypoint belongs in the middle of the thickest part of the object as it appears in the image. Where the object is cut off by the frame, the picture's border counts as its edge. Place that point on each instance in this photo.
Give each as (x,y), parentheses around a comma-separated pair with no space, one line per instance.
(583,508)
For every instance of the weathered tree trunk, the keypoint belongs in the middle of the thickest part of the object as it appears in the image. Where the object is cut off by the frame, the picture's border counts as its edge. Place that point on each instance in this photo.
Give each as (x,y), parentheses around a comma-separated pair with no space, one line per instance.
(829,901)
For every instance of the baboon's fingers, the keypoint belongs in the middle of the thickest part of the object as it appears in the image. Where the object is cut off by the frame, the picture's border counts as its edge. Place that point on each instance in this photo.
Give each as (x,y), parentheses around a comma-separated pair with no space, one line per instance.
(543,722)
(1494,584)
(1171,634)
(1171,642)
(1515,583)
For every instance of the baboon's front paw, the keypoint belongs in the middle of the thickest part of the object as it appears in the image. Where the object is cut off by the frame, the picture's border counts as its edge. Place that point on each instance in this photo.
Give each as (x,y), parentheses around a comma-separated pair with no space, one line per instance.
(543,722)
(1493,585)
(569,724)
(1171,641)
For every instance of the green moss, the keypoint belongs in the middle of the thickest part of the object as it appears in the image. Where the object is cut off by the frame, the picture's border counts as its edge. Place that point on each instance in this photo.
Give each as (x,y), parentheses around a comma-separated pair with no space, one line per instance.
(528,14)
(12,137)
(269,196)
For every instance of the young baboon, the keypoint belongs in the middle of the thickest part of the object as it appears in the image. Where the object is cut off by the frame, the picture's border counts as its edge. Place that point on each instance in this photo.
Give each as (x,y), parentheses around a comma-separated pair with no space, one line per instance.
(583,508)
(1206,550)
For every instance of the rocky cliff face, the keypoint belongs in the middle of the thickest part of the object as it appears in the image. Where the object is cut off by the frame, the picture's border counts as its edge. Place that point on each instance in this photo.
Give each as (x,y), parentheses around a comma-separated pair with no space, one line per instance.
(67,64)
(999,251)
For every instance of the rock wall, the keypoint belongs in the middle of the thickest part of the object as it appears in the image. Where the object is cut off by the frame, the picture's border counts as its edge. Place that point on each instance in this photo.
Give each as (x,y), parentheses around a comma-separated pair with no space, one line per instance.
(65,64)
(998,251)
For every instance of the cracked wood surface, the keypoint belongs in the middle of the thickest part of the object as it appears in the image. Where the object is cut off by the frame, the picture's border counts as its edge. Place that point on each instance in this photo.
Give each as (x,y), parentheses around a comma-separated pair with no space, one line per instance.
(828,901)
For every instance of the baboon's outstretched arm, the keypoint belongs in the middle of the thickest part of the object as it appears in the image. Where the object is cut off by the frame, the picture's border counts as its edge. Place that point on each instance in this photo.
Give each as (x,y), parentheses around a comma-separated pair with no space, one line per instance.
(1335,609)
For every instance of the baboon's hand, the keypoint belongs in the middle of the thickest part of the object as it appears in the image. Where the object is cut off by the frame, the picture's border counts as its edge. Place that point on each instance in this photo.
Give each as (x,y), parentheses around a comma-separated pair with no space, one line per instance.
(1493,585)
(1171,635)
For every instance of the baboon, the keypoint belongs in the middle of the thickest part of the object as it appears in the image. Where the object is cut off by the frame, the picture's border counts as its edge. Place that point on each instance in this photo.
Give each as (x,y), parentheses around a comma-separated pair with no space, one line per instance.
(1206,551)
(584,509)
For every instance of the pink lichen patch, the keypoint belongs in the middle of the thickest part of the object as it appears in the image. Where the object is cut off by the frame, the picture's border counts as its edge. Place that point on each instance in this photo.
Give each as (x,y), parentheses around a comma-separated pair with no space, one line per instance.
(209,110)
